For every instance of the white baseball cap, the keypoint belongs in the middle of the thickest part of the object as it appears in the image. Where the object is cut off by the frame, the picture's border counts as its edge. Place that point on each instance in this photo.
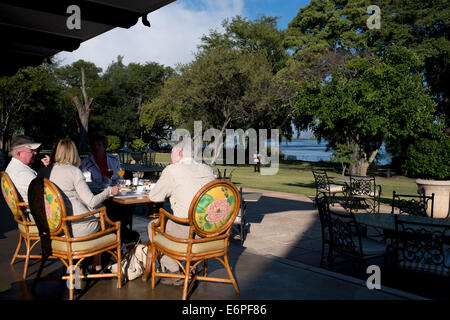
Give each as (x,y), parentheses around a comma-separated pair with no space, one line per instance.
(24,141)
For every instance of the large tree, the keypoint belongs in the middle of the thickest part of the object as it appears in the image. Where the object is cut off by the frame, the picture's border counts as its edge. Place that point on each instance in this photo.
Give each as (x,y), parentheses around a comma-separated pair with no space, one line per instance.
(129,87)
(422,26)
(82,82)
(260,35)
(369,100)
(222,87)
(31,102)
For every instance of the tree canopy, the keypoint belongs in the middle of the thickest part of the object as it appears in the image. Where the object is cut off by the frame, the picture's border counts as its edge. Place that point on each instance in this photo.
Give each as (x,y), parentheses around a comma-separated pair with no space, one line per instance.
(421,26)
(222,87)
(369,100)
(30,100)
(259,35)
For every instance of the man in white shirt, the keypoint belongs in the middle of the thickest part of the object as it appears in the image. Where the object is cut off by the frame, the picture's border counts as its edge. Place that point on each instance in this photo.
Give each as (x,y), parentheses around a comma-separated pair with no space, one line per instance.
(179,182)
(23,151)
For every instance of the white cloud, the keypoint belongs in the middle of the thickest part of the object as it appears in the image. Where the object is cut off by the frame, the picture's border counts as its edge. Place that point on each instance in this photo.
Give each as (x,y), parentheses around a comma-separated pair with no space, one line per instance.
(175,32)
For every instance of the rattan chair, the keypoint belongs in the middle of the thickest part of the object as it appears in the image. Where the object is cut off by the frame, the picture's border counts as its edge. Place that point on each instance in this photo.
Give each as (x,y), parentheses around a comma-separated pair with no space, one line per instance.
(345,237)
(211,215)
(323,185)
(49,212)
(28,232)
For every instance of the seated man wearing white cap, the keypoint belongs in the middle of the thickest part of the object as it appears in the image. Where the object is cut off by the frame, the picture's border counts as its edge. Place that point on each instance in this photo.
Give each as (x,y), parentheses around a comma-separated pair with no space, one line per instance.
(23,151)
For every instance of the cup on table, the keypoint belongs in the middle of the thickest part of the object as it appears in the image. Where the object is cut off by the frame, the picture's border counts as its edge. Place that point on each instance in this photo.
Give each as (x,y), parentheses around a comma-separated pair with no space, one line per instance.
(140,189)
(124,191)
(135,181)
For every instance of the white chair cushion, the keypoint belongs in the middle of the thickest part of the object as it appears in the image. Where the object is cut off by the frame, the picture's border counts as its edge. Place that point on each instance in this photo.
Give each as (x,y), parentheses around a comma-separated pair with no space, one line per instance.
(196,248)
(336,188)
(333,188)
(370,194)
(32,229)
(84,245)
(424,267)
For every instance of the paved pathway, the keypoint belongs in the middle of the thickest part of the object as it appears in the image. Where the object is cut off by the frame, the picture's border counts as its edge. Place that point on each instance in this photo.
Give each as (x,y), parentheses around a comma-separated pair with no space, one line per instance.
(284,230)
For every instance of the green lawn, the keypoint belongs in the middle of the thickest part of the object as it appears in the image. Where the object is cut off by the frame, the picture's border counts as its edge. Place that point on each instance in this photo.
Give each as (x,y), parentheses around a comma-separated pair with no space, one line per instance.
(296,177)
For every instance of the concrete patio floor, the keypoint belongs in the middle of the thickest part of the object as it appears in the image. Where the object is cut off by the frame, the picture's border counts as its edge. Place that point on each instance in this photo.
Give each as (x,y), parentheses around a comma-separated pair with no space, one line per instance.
(279,261)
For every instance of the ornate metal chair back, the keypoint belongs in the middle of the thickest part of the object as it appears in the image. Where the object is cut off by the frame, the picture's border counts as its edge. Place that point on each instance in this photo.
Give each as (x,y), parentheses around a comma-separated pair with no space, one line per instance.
(324,211)
(321,179)
(362,185)
(416,205)
(345,234)
(422,247)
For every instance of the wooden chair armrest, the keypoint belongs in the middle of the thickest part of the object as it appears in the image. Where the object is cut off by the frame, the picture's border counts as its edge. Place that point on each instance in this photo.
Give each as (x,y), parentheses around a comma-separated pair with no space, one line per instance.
(110,222)
(84,215)
(95,235)
(22,204)
(181,240)
(172,217)
(219,237)
(159,226)
(25,223)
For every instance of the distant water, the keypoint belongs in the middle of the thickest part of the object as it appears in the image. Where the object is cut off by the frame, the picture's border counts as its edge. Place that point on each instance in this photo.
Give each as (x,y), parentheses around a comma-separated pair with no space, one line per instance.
(311,150)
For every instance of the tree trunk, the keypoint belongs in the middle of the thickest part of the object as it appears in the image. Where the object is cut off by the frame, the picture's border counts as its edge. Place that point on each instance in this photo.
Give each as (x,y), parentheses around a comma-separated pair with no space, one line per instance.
(139,112)
(344,166)
(363,160)
(9,112)
(84,110)
(359,168)
(218,142)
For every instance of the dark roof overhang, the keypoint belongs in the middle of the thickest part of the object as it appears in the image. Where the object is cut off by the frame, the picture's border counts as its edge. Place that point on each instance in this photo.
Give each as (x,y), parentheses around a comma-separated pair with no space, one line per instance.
(31,31)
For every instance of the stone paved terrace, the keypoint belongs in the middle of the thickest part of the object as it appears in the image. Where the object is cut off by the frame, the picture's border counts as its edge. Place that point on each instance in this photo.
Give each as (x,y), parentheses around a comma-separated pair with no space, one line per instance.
(279,260)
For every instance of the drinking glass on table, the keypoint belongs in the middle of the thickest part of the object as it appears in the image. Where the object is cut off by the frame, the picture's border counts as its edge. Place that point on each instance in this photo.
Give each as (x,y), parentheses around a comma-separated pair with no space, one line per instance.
(121,173)
(108,178)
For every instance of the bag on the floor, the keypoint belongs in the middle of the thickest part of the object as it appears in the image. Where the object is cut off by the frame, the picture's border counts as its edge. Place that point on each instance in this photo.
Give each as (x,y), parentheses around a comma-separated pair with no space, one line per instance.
(133,262)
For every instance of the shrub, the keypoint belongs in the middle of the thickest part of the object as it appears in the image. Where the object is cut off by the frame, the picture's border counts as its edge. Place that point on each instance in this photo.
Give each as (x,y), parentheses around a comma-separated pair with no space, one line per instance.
(428,158)
(343,154)
(138,145)
(113,143)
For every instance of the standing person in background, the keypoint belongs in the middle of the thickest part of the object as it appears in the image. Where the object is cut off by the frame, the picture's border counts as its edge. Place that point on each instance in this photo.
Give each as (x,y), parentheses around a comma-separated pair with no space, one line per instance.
(101,165)
(23,151)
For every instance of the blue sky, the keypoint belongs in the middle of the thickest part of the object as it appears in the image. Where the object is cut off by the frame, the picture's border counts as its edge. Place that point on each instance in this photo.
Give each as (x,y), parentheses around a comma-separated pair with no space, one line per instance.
(176,31)
(285,9)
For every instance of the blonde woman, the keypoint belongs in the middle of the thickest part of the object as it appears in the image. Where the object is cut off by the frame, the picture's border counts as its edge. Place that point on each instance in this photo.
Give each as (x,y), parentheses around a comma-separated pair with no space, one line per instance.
(78,198)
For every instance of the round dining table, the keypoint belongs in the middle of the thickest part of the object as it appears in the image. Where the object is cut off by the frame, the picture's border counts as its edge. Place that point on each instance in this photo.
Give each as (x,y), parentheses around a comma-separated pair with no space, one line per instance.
(386,221)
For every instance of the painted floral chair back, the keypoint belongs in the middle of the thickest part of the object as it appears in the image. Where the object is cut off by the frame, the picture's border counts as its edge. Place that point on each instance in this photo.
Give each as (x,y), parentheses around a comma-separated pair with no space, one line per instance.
(47,206)
(12,197)
(214,208)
